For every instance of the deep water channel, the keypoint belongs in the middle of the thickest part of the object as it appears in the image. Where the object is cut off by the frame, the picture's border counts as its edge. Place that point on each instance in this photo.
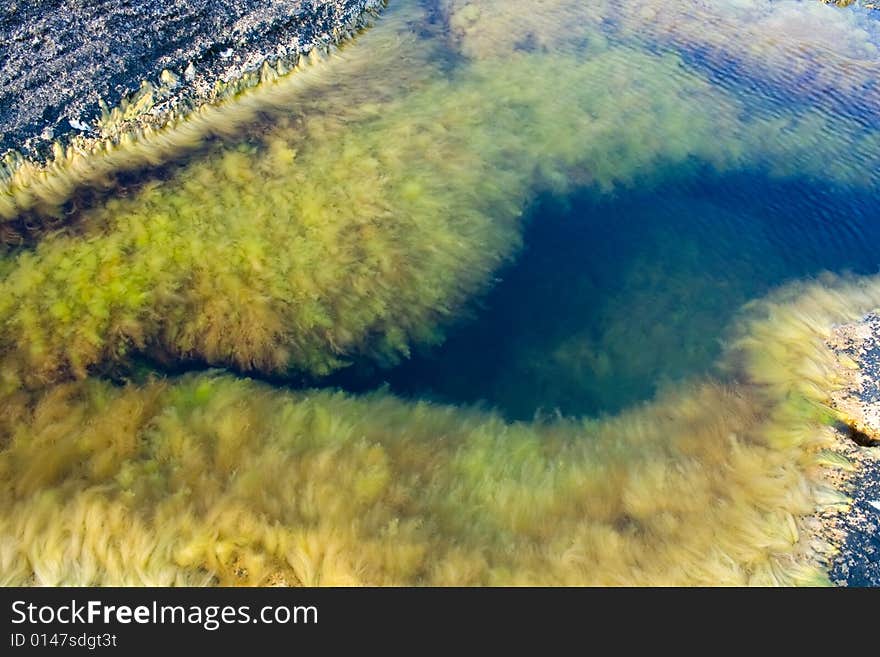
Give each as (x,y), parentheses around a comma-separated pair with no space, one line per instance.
(613,297)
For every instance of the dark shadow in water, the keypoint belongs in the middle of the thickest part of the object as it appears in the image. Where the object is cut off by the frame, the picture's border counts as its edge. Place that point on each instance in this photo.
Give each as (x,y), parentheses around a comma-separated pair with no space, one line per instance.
(612,298)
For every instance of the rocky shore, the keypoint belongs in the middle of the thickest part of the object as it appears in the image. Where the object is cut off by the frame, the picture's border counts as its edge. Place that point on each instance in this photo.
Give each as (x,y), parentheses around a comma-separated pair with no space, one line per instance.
(857,348)
(62,59)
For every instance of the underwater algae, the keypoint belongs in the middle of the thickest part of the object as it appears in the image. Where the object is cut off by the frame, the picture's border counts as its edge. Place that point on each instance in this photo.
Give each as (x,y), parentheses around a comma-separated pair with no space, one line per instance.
(339,234)
(334,233)
(211,479)
(820,54)
(386,225)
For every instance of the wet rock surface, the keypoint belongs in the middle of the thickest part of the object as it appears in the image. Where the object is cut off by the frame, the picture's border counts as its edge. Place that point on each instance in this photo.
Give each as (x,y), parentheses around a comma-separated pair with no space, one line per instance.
(857,347)
(858,563)
(59,58)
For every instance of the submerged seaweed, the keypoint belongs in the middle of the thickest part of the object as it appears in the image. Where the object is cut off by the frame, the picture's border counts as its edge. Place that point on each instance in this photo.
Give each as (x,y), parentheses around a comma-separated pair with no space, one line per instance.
(358,215)
(213,479)
(332,237)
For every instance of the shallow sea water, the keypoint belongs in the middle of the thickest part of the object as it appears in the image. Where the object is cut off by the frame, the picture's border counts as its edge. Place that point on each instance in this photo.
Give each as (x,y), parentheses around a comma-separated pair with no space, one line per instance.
(617,294)
(505,292)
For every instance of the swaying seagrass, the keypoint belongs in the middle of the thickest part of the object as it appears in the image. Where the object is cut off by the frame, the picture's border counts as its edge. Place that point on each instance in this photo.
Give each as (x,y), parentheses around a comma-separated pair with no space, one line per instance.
(354,220)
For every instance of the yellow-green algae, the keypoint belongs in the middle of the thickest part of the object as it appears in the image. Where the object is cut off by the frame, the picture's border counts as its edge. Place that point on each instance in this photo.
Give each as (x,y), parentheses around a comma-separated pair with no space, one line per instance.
(212,479)
(353,230)
(328,238)
(346,232)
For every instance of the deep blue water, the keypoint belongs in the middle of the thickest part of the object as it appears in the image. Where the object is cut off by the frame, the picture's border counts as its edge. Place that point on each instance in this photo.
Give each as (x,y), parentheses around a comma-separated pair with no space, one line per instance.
(612,298)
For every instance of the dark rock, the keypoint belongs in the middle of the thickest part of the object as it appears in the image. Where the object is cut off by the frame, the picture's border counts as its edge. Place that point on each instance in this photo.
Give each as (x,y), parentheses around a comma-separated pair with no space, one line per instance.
(59,58)
(857,348)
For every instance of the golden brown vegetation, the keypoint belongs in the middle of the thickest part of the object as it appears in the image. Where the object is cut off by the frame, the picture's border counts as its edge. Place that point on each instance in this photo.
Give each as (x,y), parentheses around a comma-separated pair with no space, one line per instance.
(338,232)
(354,232)
(211,479)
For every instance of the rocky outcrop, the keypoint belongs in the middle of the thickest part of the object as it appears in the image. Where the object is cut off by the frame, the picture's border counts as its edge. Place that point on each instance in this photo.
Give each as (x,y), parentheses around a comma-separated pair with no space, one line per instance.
(62,58)
(857,404)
